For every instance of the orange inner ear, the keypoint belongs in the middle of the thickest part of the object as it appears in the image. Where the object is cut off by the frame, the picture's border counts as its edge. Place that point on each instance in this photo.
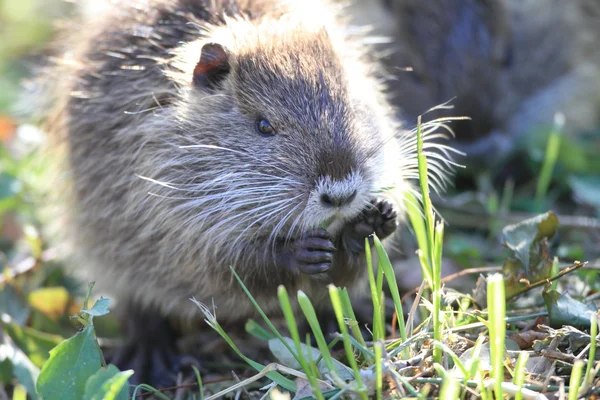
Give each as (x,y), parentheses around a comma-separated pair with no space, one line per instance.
(213,65)
(206,65)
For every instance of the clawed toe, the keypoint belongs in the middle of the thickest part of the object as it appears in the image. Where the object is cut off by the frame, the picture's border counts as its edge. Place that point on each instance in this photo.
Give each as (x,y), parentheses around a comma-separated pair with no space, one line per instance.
(313,252)
(386,219)
(379,218)
(386,210)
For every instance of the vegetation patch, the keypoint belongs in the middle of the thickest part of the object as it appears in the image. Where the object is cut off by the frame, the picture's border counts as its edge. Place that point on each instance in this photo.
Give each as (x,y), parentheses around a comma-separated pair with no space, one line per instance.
(522,332)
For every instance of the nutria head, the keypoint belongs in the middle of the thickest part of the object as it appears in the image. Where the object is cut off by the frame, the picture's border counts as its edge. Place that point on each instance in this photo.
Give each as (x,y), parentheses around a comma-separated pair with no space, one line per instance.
(276,134)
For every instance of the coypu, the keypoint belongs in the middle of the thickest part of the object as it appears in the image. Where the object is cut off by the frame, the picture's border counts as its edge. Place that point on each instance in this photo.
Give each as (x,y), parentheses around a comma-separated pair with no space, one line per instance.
(206,134)
(509,65)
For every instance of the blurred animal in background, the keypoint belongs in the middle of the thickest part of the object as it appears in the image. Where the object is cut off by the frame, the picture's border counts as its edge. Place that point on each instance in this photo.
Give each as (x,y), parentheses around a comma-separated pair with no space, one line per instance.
(509,65)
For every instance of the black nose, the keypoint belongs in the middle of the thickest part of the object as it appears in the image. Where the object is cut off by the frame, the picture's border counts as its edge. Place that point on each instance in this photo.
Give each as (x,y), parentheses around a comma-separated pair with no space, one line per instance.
(339,200)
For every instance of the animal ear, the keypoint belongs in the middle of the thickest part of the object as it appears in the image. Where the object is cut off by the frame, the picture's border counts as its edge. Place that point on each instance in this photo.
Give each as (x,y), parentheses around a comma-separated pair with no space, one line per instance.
(212,67)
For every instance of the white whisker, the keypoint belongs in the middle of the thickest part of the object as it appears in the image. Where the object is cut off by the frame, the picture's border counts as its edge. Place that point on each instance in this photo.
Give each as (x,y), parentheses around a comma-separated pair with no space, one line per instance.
(209,146)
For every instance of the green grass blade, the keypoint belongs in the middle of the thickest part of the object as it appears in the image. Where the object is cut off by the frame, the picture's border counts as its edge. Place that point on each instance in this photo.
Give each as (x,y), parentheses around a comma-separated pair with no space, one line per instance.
(199,380)
(261,312)
(431,257)
(450,389)
(388,270)
(334,294)
(552,151)
(437,289)
(254,329)
(313,322)
(311,362)
(156,392)
(454,357)
(368,354)
(507,196)
(520,373)
(427,272)
(378,330)
(475,357)
(439,244)
(378,347)
(496,300)
(381,294)
(349,314)
(588,380)
(274,376)
(414,209)
(575,381)
(553,272)
(424,186)
(288,314)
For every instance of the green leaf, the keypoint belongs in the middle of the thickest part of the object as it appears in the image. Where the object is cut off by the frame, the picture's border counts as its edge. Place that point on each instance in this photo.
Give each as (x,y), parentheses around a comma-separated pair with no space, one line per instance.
(586,189)
(565,310)
(14,305)
(71,363)
(284,356)
(466,250)
(108,384)
(36,345)
(523,238)
(254,329)
(572,338)
(42,323)
(8,186)
(22,368)
(99,308)
(6,371)
(8,204)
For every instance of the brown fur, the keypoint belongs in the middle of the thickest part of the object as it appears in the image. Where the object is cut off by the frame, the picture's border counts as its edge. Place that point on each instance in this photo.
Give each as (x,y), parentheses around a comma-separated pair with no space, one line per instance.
(510,65)
(163,178)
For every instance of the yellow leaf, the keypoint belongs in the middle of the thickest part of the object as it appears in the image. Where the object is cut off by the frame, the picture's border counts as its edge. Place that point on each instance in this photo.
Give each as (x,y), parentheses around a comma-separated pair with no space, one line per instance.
(51,301)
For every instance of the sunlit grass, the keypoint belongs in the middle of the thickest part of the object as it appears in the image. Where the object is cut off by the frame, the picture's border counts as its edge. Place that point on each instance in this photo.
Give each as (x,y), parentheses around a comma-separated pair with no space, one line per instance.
(497,328)
(550,158)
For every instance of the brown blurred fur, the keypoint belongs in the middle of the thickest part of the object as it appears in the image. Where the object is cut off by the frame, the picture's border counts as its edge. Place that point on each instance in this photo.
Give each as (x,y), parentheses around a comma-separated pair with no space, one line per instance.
(510,65)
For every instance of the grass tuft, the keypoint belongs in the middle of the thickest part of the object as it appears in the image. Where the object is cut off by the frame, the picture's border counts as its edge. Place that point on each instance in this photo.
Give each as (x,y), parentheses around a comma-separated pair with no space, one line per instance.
(425,361)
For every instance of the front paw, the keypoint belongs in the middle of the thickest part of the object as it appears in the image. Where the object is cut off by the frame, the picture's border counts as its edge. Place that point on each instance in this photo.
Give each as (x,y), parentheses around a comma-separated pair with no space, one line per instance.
(312,253)
(379,218)
(385,220)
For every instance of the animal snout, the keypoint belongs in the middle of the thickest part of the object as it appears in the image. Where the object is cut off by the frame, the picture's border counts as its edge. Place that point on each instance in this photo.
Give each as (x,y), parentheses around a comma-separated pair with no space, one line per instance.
(338,199)
(338,195)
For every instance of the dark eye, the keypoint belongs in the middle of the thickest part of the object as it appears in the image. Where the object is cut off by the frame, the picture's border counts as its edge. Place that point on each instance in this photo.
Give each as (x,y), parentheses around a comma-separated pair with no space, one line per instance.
(264,127)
